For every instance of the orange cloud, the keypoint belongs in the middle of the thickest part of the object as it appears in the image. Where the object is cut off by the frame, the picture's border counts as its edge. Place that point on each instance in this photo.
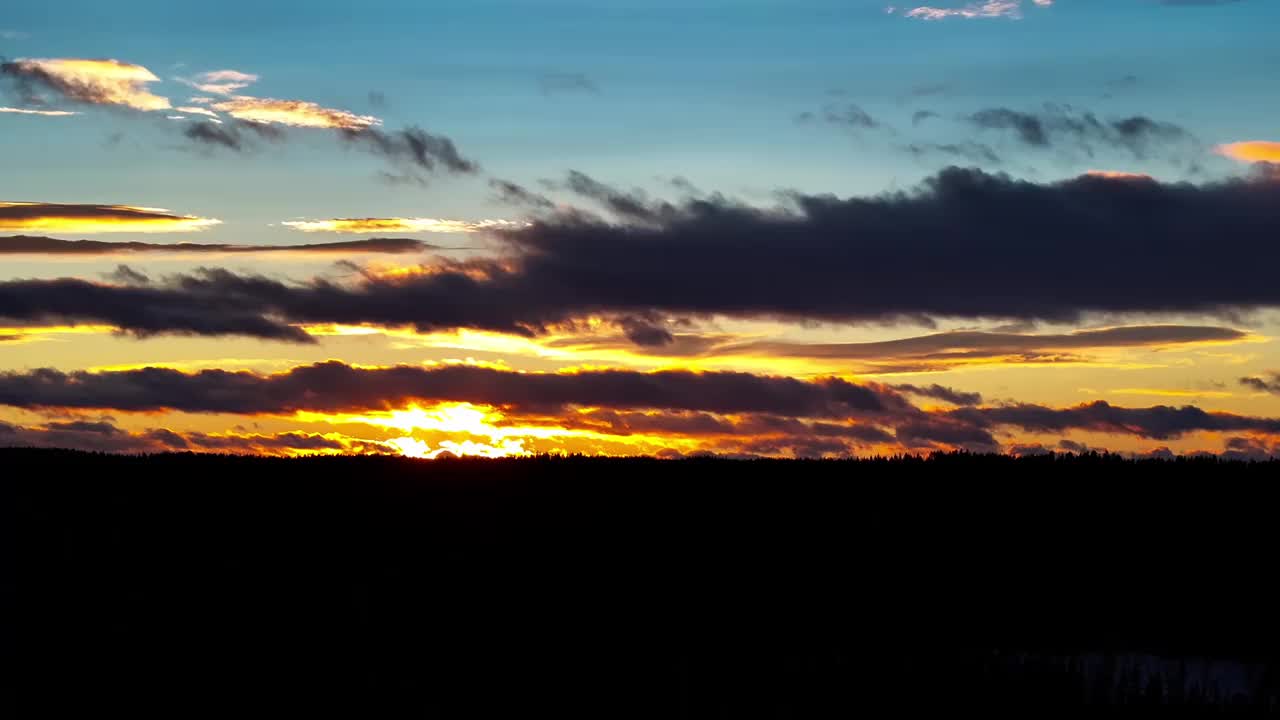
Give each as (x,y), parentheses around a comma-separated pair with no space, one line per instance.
(1251,151)
(380,225)
(1118,175)
(97,82)
(47,113)
(66,217)
(294,113)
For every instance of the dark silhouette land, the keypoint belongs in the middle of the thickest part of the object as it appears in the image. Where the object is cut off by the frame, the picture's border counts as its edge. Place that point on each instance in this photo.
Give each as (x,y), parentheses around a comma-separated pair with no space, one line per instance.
(634,588)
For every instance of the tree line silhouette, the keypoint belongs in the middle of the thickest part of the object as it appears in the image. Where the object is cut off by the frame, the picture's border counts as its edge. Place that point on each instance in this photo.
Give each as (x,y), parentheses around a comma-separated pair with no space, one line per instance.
(635,587)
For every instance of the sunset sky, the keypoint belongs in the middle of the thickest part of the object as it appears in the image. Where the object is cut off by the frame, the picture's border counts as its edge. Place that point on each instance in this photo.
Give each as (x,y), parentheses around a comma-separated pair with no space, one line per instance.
(791,228)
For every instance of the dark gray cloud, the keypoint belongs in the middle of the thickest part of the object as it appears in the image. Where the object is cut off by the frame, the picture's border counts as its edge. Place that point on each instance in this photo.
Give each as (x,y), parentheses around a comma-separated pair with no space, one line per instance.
(1161,422)
(29,244)
(510,193)
(554,83)
(235,135)
(920,116)
(106,437)
(412,148)
(848,116)
(1083,131)
(965,244)
(1268,383)
(974,152)
(943,393)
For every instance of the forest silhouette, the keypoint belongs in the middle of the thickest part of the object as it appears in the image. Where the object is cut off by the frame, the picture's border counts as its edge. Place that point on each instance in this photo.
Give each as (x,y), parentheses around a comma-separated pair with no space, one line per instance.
(635,587)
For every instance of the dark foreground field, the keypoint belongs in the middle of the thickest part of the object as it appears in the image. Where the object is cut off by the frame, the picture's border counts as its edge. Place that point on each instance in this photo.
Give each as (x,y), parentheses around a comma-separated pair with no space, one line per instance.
(598,588)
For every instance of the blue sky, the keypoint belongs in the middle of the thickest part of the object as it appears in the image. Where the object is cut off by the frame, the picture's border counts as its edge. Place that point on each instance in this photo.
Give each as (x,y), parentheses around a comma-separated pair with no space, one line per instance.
(704,90)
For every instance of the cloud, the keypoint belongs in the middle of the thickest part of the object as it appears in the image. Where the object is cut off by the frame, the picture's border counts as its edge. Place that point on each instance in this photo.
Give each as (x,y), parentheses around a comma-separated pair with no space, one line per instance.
(1119,175)
(220,82)
(1011,9)
(412,148)
(1160,422)
(293,113)
(510,193)
(378,225)
(106,437)
(940,392)
(28,245)
(65,217)
(1056,124)
(971,151)
(849,116)
(1053,251)
(94,82)
(238,135)
(336,387)
(920,116)
(1269,384)
(552,83)
(1251,151)
(46,113)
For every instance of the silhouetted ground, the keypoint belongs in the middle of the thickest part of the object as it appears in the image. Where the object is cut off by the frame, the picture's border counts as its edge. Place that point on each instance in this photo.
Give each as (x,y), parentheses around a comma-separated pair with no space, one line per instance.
(578,587)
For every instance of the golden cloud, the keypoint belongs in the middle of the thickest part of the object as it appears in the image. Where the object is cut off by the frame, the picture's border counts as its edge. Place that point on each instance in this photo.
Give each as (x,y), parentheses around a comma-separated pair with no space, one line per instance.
(294,113)
(47,113)
(67,217)
(381,225)
(97,82)
(1251,151)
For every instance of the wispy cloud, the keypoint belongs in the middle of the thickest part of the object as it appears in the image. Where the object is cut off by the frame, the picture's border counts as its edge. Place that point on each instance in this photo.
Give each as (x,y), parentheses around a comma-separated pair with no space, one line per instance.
(46,113)
(1011,9)
(378,225)
(220,82)
(77,218)
(94,82)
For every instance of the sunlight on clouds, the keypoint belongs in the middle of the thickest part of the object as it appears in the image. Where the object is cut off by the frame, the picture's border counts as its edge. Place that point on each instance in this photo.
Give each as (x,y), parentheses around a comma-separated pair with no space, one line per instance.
(294,113)
(379,225)
(99,82)
(1251,151)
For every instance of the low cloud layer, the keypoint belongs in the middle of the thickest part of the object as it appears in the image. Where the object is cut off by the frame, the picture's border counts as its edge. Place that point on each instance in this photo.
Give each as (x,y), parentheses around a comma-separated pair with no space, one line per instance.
(32,245)
(965,244)
(676,402)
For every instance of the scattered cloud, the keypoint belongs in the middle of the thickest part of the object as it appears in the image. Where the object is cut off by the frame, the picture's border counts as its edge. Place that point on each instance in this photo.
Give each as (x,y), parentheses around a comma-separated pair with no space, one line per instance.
(1269,383)
(412,149)
(80,218)
(554,83)
(848,116)
(1083,131)
(1011,9)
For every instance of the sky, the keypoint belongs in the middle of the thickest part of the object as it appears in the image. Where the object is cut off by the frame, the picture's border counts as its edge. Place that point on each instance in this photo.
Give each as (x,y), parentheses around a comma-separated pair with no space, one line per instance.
(800,228)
